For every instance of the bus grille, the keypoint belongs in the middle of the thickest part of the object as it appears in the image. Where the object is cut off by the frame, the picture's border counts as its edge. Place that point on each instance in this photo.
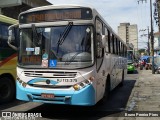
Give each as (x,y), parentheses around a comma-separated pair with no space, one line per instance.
(50,74)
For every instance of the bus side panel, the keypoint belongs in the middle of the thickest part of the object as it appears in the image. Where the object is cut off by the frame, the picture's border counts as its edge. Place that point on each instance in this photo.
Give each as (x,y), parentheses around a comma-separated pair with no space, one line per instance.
(9,66)
(112,71)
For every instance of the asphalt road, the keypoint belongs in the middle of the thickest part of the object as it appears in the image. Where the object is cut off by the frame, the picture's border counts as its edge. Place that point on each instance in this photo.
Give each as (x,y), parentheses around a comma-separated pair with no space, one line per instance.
(112,108)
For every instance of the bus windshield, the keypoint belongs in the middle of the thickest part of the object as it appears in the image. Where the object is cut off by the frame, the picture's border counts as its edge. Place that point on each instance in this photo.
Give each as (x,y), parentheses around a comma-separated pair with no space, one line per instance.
(68,46)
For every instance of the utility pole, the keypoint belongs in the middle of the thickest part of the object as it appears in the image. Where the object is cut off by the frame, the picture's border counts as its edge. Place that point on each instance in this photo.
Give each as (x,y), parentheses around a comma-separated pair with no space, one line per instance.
(148,35)
(151,34)
(148,41)
(152,39)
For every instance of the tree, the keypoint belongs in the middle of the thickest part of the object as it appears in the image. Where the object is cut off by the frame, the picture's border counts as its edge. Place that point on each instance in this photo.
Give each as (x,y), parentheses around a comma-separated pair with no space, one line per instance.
(142,52)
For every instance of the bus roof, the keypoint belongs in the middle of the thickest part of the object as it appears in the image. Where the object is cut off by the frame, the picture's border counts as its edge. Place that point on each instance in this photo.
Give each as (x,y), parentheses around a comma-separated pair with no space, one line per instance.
(8,20)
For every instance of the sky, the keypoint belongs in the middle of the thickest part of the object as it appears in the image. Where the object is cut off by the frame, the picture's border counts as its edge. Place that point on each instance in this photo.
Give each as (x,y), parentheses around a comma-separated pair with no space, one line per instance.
(120,11)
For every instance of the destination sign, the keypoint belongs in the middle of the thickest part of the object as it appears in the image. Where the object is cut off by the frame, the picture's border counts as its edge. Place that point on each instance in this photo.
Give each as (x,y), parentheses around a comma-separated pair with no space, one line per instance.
(31,59)
(56,15)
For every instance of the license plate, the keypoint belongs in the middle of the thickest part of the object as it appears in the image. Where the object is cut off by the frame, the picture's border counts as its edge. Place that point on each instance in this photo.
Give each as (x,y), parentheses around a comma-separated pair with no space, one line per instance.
(44,95)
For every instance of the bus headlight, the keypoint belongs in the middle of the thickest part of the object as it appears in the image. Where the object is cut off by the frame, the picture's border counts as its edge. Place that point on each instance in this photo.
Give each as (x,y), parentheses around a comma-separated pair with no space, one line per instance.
(76,87)
(21,82)
(81,85)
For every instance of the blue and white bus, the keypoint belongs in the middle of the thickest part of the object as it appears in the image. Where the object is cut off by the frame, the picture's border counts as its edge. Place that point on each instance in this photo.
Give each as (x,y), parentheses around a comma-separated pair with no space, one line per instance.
(68,55)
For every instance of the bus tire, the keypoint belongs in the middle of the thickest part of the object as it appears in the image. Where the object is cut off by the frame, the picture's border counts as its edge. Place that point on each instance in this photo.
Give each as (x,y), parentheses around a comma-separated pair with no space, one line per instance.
(7,90)
(122,81)
(106,92)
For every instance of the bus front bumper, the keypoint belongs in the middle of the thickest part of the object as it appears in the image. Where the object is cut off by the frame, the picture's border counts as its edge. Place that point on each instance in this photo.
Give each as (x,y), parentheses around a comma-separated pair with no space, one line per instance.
(85,96)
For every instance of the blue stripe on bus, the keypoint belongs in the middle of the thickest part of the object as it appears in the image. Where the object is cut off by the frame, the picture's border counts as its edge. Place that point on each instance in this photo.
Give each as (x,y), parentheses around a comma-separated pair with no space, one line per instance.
(85,96)
(53,82)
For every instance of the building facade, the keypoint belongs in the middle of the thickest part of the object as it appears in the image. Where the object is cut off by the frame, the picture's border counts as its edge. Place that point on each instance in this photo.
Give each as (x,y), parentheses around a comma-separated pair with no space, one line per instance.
(158,11)
(129,34)
(157,43)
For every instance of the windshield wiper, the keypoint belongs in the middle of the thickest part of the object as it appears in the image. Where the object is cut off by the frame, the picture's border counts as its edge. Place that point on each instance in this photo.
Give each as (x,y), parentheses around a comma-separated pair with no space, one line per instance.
(64,35)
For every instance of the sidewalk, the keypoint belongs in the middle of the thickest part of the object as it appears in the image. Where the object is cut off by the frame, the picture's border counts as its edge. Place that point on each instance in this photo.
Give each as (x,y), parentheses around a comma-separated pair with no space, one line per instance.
(145,95)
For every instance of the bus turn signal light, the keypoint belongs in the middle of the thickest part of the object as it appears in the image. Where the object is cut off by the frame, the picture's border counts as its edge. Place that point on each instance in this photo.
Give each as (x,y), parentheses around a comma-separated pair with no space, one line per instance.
(21,82)
(76,87)
(81,85)
(91,78)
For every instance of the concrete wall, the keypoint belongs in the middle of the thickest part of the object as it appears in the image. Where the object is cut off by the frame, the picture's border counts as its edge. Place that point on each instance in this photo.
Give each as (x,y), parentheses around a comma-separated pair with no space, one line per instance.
(158,6)
(133,36)
(12,8)
(122,32)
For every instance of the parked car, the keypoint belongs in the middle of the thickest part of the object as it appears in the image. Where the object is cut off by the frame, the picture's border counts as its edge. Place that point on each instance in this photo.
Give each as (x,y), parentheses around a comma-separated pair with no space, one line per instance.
(130,66)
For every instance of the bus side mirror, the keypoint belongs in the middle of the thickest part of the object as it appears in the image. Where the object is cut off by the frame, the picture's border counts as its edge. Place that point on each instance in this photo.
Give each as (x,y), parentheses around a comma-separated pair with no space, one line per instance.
(12,38)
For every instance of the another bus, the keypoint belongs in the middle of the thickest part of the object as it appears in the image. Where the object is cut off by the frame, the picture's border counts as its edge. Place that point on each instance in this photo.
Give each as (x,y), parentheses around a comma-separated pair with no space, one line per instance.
(130,61)
(8,62)
(68,55)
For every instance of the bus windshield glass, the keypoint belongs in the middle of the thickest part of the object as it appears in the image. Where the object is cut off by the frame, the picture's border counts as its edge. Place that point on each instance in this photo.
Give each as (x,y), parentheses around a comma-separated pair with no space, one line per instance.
(67,46)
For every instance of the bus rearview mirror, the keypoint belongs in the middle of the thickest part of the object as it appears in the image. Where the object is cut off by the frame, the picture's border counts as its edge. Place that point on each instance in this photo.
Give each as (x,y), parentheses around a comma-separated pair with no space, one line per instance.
(12,37)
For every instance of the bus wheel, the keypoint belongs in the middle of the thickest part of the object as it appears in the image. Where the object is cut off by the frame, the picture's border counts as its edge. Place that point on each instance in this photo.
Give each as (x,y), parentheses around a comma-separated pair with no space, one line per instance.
(106,93)
(122,82)
(7,90)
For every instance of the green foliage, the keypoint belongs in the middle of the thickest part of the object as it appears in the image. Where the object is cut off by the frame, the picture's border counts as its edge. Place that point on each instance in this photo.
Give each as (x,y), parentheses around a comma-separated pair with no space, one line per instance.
(142,51)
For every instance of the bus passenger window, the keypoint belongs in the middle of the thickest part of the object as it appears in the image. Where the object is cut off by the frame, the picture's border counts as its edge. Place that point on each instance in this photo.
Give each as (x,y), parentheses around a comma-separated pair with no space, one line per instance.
(107,40)
(107,46)
(4,35)
(113,45)
(99,45)
(119,47)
